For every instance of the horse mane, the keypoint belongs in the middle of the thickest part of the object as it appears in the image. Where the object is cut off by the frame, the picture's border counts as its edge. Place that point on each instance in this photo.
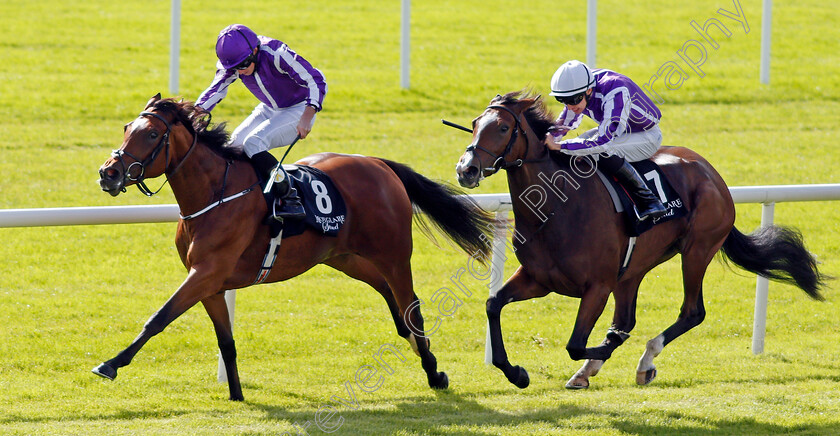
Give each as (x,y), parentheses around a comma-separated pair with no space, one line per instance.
(197,121)
(536,114)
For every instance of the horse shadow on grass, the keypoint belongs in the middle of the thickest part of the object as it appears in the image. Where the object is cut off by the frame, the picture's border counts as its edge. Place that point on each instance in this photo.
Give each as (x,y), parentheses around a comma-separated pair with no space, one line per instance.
(420,415)
(462,414)
(828,372)
(691,425)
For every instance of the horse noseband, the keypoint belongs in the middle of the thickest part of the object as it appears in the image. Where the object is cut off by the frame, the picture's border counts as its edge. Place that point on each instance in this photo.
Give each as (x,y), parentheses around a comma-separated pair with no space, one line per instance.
(499,163)
(163,143)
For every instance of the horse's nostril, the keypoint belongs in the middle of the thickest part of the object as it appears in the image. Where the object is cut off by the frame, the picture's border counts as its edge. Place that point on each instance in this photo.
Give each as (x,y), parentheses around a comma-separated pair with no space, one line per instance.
(109,173)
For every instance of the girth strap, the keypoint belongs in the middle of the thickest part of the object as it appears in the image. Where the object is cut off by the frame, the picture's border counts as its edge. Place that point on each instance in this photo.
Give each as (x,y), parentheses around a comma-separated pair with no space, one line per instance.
(270,257)
(631,245)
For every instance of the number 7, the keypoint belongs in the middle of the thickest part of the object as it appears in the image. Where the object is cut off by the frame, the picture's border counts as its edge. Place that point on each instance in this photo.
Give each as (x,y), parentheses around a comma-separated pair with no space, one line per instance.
(654,176)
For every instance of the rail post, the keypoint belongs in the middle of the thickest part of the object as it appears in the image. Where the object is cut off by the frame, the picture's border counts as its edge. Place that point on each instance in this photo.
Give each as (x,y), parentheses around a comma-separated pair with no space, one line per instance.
(762,291)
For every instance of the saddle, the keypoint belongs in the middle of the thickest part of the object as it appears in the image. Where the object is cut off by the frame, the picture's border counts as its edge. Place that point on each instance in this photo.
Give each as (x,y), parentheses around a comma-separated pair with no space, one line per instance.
(326,211)
(325,207)
(658,183)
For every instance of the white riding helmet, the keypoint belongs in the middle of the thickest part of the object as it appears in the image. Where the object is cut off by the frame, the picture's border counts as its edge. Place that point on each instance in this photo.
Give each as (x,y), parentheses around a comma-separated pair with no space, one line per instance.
(571,78)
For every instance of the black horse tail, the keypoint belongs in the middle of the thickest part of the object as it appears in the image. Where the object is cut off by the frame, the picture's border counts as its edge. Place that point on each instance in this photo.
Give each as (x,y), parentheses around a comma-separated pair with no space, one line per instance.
(777,253)
(458,217)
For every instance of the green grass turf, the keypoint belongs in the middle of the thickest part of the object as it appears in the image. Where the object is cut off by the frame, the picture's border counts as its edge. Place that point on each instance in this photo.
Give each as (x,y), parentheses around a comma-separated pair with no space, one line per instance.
(73,73)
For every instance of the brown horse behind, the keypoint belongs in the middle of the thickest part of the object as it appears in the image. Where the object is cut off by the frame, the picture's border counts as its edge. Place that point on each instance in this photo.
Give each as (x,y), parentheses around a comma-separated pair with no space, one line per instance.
(574,243)
(224,247)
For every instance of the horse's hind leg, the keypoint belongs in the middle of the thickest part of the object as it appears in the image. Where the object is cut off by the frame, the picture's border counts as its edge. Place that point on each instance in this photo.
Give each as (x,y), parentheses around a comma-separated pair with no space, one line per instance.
(711,220)
(400,279)
(217,310)
(409,311)
(364,270)
(692,313)
(624,319)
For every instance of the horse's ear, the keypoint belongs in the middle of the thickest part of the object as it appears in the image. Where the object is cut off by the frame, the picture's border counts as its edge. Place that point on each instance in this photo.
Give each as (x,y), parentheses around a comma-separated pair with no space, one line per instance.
(153,100)
(523,104)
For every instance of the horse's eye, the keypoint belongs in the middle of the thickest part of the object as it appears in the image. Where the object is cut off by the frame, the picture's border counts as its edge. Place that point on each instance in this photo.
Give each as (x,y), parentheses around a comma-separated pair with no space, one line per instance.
(153,135)
(504,129)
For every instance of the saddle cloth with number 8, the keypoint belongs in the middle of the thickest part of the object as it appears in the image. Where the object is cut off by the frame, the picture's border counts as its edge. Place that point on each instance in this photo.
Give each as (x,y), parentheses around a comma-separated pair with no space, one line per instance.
(324,205)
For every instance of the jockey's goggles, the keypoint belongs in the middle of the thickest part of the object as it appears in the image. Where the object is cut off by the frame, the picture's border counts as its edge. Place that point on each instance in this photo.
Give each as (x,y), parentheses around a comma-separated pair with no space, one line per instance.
(571,100)
(247,62)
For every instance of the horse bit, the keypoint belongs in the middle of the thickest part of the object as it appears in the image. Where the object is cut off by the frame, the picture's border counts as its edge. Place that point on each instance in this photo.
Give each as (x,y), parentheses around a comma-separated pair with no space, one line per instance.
(500,162)
(163,143)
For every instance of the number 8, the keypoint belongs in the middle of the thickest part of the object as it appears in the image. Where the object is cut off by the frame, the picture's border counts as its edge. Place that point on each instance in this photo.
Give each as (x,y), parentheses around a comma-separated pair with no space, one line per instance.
(322,198)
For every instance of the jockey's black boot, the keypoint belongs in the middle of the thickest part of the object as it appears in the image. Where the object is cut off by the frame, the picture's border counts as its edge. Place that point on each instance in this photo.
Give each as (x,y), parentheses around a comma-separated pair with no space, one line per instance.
(281,186)
(264,162)
(277,184)
(647,203)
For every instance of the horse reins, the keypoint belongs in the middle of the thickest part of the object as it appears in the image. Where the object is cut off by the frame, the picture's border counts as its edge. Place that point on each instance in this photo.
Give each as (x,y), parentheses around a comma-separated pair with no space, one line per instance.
(163,144)
(500,162)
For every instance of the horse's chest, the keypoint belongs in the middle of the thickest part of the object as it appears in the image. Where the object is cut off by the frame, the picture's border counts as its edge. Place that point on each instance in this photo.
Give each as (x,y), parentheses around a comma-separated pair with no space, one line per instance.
(565,267)
(549,271)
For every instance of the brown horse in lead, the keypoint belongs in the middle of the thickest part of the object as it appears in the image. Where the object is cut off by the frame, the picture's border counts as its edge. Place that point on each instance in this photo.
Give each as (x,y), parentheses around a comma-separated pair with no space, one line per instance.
(575,243)
(223,247)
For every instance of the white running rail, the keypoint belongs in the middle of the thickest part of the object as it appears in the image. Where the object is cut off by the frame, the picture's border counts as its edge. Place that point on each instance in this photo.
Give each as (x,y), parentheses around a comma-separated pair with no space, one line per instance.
(498,203)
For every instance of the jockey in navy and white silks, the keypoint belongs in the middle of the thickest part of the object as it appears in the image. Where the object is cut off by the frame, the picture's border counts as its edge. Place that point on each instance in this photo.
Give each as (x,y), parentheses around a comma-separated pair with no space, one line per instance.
(290,90)
(628,126)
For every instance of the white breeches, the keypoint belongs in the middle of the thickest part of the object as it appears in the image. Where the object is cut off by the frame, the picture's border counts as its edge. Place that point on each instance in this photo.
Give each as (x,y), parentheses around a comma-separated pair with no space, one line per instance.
(268,128)
(633,147)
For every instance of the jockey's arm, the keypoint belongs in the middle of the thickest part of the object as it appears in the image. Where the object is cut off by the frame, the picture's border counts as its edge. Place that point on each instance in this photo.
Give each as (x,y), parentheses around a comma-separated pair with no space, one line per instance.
(305,124)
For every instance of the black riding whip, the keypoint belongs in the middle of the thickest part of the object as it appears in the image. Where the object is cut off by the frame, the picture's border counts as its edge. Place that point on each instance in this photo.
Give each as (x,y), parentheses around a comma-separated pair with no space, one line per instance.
(290,148)
(457,126)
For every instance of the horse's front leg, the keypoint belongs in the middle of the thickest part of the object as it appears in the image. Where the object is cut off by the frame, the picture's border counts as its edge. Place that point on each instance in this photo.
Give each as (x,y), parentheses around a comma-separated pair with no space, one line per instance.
(519,287)
(195,288)
(217,309)
(591,306)
(624,319)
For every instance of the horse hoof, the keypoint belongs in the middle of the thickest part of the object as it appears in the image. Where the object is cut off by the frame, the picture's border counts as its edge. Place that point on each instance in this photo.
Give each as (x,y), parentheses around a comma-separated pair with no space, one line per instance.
(645,377)
(105,370)
(443,382)
(576,383)
(522,380)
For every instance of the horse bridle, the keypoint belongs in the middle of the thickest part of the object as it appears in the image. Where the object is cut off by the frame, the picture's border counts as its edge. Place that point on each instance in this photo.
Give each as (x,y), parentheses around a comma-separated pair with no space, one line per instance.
(163,144)
(500,161)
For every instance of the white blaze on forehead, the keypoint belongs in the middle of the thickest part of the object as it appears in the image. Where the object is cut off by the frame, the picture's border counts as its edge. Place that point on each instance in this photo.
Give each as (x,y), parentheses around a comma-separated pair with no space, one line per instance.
(487,118)
(140,122)
(480,123)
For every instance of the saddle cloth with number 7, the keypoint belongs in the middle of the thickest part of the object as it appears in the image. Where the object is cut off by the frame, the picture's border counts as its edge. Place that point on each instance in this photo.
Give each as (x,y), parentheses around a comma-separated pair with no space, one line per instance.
(658,184)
